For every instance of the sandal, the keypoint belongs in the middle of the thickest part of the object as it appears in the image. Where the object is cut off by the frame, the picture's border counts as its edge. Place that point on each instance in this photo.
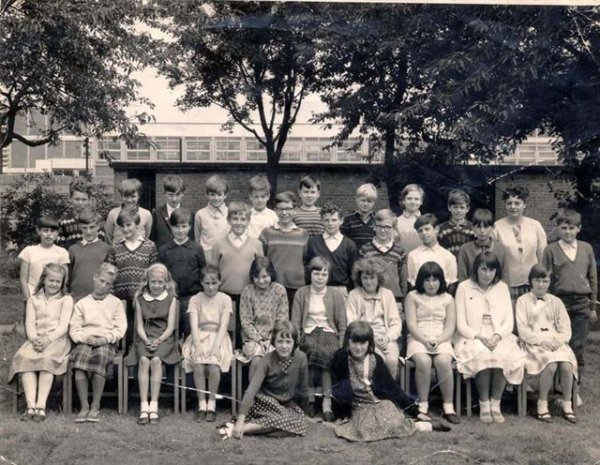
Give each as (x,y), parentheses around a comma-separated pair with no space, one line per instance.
(545,417)
(570,417)
(154,418)
(40,415)
(143,418)
(93,416)
(82,416)
(28,415)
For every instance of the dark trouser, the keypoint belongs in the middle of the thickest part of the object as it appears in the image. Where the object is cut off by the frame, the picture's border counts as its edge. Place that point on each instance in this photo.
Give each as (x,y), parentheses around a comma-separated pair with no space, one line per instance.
(184,318)
(578,308)
(290,295)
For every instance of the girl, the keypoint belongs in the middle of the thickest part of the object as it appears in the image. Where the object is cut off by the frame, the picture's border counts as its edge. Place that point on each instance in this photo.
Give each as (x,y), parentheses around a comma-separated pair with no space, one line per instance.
(154,340)
(45,353)
(545,331)
(97,324)
(319,311)
(431,321)
(364,384)
(279,384)
(208,351)
(377,306)
(485,347)
(411,199)
(262,303)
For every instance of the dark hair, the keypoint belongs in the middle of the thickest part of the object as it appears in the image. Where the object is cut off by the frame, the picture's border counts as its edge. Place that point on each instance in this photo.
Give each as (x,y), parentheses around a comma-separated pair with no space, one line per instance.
(262,263)
(329,208)
(483,216)
(89,217)
(569,217)
(309,181)
(180,216)
(210,269)
(285,328)
(516,191)
(360,331)
(430,270)
(48,222)
(458,196)
(128,214)
(80,185)
(173,183)
(319,263)
(490,260)
(57,268)
(538,271)
(423,220)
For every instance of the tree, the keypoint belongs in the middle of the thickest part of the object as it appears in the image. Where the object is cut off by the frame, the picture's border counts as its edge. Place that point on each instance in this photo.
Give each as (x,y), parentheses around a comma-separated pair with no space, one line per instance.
(72,61)
(256,60)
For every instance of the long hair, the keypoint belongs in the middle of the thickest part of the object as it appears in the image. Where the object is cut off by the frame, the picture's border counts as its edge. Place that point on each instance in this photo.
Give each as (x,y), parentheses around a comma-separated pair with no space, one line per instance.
(57,268)
(170,285)
(490,260)
(430,270)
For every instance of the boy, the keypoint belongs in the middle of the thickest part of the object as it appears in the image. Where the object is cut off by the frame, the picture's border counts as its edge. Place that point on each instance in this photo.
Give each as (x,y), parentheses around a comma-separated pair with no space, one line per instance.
(335,247)
(80,191)
(383,247)
(130,191)
(483,227)
(458,230)
(86,256)
(358,227)
(184,259)
(411,198)
(97,324)
(285,245)
(161,231)
(574,280)
(34,257)
(262,217)
(307,216)
(427,228)
(210,222)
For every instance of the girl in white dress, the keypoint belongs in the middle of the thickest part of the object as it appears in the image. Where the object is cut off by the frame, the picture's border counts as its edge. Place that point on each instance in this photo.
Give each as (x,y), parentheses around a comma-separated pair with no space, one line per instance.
(545,331)
(485,346)
(431,321)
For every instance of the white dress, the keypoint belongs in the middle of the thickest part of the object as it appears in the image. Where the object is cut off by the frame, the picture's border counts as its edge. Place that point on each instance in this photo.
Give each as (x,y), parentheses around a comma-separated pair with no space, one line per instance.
(431,315)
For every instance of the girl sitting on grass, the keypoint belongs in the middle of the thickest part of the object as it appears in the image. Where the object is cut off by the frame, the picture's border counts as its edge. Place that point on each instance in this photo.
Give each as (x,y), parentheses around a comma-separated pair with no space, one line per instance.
(45,352)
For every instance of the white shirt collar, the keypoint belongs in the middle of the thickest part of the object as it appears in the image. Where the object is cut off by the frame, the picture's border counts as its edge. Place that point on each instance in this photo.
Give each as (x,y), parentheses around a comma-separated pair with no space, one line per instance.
(238,239)
(148,298)
(84,242)
(565,245)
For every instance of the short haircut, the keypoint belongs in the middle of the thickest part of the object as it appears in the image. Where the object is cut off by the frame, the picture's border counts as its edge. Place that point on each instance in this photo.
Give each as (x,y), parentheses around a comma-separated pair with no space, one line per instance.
(128,215)
(483,216)
(490,260)
(423,220)
(47,222)
(360,331)
(107,269)
(571,217)
(309,181)
(285,197)
(129,187)
(412,188)
(538,271)
(239,208)
(367,190)
(170,285)
(89,217)
(259,183)
(520,192)
(216,184)
(260,264)
(329,208)
(180,216)
(430,270)
(285,328)
(80,184)
(208,270)
(369,265)
(458,196)
(319,263)
(173,183)
(386,214)
(56,268)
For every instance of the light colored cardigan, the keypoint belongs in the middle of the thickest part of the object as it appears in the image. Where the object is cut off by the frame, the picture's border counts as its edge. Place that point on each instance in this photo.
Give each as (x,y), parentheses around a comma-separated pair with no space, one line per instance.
(334,306)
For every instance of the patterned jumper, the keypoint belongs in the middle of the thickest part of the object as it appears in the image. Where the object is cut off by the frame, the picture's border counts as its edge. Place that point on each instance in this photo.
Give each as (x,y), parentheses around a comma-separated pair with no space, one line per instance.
(131,265)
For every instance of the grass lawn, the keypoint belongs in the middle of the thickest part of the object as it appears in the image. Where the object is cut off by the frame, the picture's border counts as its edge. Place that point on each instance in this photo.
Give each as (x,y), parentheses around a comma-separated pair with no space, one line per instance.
(118,439)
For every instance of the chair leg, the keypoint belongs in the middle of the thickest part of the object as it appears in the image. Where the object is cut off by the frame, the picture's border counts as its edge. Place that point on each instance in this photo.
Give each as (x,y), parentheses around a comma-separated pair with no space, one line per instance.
(575,395)
(458,392)
(125,391)
(402,371)
(16,394)
(176,380)
(234,387)
(68,402)
(120,392)
(239,388)
(469,400)
(522,398)
(183,391)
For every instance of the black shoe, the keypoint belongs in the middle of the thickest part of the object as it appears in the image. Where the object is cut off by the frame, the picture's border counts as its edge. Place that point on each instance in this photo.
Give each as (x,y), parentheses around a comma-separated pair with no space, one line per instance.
(328,416)
(437,426)
(311,410)
(451,418)
(199,416)
(211,416)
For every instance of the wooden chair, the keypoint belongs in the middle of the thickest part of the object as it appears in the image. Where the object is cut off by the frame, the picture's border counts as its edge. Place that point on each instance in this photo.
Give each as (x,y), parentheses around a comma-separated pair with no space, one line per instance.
(17,392)
(131,371)
(523,393)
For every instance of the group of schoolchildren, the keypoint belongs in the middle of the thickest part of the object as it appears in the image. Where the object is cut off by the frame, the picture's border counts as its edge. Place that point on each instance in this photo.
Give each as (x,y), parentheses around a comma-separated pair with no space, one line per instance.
(319,300)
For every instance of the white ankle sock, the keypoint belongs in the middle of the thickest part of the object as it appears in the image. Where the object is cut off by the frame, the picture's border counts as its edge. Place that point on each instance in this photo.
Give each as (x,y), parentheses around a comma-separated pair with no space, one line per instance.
(212,404)
(423,407)
(202,405)
(423,426)
(495,405)
(567,406)
(144,406)
(153,406)
(542,406)
(484,406)
(448,408)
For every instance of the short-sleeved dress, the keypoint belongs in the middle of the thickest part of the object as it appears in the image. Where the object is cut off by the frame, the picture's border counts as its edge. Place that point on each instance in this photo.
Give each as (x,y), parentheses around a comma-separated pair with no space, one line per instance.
(49,314)
(155,314)
(209,311)
(38,256)
(431,314)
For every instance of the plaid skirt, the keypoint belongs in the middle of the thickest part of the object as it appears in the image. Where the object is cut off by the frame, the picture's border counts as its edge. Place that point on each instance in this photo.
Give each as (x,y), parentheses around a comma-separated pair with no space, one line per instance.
(94,359)
(319,347)
(267,411)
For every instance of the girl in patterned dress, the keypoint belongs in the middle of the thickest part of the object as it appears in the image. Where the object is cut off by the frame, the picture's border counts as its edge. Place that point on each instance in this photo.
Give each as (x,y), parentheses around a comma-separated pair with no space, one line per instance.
(45,352)
(208,351)
(262,303)
(431,321)
(154,340)
(485,345)
(545,331)
(278,390)
(363,383)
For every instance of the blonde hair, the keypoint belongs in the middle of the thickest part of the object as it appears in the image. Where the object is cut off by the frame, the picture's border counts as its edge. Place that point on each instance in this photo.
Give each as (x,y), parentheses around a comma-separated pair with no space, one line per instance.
(57,268)
(367,190)
(170,285)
